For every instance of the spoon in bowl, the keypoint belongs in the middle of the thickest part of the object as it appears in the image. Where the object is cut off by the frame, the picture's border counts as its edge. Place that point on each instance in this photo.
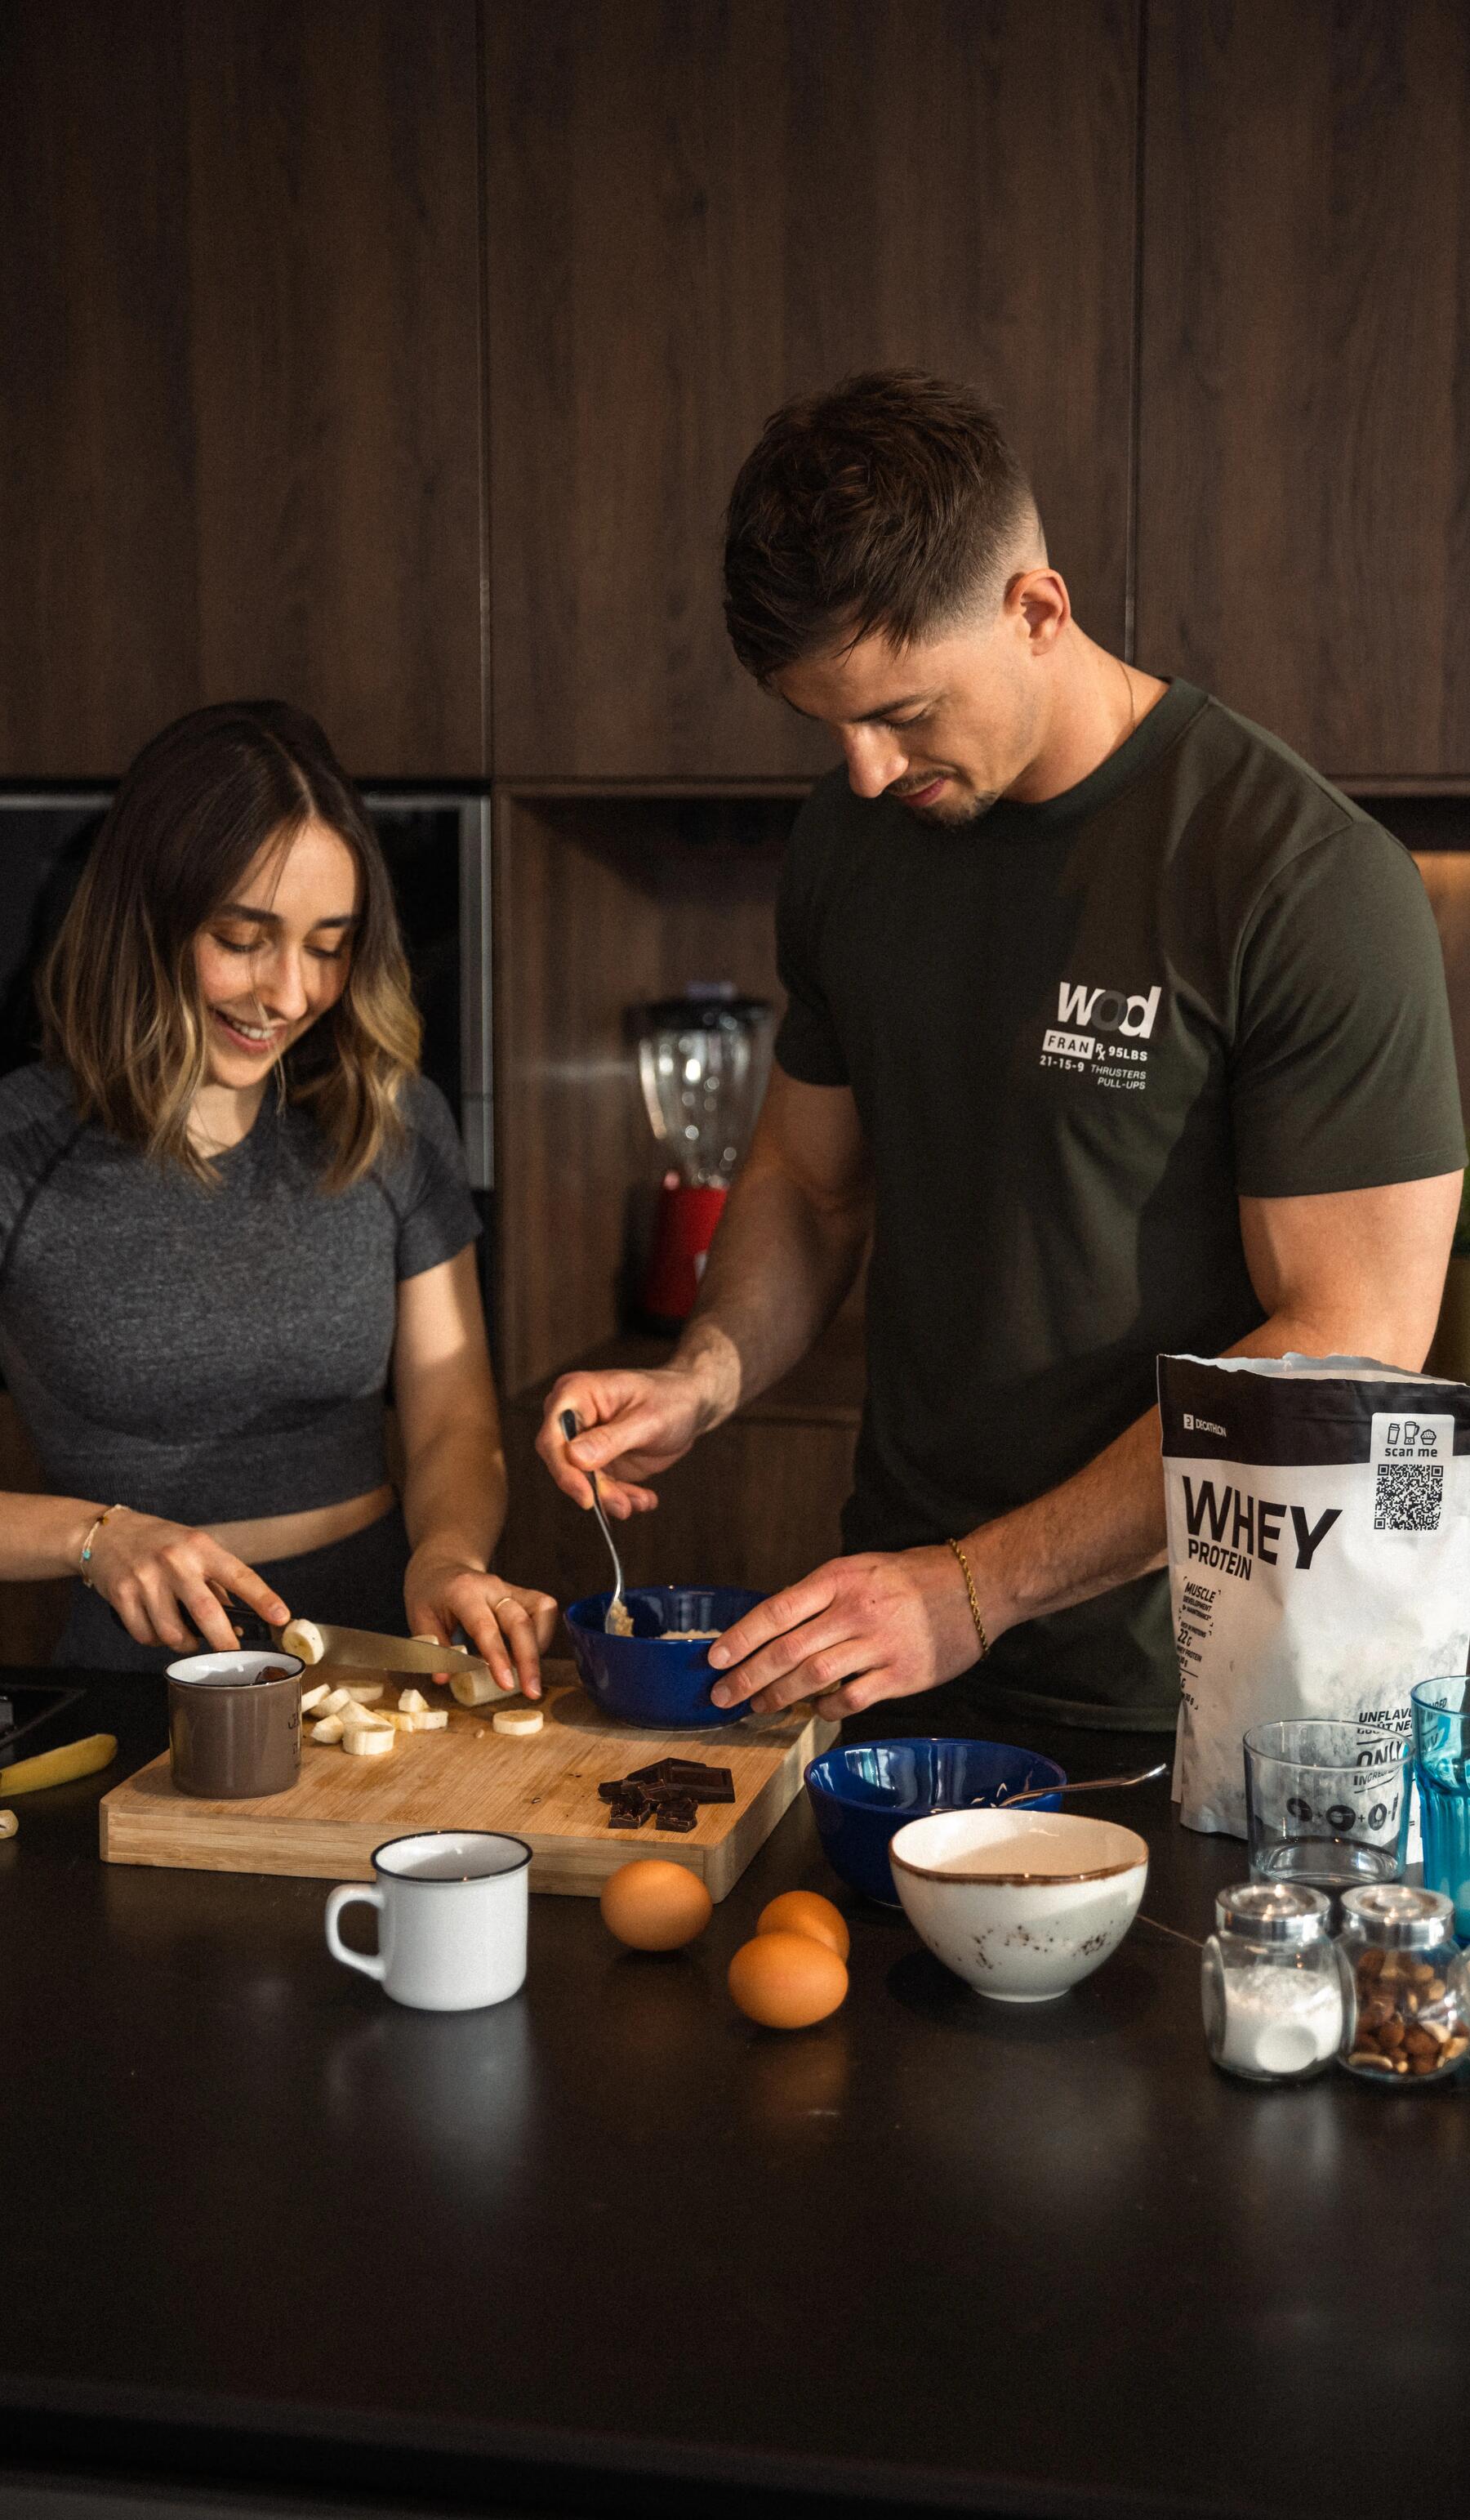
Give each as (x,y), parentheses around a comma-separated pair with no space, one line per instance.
(617,1618)
(1002,1801)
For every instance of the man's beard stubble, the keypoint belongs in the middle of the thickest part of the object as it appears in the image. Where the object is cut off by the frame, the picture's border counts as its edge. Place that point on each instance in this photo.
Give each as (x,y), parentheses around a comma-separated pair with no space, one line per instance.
(944,817)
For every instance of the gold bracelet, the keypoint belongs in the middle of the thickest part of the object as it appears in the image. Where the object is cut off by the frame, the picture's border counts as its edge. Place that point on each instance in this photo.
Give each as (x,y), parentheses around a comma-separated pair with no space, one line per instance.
(85,1559)
(969,1585)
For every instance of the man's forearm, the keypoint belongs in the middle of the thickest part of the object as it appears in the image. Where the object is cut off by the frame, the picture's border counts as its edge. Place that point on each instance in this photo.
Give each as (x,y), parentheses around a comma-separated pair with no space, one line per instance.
(1105,1525)
(780,1268)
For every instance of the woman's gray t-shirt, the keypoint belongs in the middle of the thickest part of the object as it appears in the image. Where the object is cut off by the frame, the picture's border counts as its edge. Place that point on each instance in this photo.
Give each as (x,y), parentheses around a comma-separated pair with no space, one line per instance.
(211,1353)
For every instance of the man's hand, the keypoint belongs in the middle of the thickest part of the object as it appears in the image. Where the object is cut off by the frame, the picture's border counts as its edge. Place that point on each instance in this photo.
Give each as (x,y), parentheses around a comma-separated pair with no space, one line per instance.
(859,1630)
(635,1425)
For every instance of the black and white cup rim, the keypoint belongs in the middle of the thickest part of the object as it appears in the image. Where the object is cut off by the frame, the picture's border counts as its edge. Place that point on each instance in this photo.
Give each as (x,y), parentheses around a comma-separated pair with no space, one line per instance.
(449,1880)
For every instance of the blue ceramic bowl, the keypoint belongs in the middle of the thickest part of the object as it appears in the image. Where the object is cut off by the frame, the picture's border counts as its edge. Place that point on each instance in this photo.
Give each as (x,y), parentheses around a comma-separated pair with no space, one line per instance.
(862,1795)
(646,1679)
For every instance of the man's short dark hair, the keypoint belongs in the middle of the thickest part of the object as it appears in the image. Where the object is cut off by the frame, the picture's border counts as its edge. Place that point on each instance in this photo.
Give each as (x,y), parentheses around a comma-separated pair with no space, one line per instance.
(891,502)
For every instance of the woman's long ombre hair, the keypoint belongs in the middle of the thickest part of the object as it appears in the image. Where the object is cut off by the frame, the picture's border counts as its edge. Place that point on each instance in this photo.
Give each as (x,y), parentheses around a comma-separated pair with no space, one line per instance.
(119,997)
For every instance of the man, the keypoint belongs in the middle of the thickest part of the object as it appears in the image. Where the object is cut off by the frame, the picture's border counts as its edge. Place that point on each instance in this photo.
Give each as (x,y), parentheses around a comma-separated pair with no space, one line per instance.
(1118,1030)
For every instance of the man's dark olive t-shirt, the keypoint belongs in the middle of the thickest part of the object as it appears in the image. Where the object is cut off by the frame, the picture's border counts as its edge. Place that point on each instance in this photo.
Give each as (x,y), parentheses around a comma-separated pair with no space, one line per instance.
(1075,1033)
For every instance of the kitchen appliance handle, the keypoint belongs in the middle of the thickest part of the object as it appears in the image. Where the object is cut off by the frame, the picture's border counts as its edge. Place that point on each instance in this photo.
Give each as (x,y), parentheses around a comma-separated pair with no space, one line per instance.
(372,1964)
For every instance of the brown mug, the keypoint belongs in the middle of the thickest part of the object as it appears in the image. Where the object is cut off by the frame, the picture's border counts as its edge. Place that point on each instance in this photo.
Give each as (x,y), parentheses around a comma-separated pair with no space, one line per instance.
(235,1725)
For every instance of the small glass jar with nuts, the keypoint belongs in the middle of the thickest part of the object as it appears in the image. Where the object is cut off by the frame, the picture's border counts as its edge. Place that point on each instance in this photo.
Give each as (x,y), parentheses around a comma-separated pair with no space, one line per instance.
(1407,2018)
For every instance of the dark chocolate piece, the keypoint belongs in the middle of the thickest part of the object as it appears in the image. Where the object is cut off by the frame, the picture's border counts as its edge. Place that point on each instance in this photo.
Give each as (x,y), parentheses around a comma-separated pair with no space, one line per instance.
(630,1815)
(676,1812)
(706,1785)
(686,1776)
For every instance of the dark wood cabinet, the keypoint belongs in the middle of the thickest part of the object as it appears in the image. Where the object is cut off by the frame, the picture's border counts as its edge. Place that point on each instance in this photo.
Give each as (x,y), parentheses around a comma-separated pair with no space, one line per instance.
(603,904)
(696,211)
(240,295)
(1304,472)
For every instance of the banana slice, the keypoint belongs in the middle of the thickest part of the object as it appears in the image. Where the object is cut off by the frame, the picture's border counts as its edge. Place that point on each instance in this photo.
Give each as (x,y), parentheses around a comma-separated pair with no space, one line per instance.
(434,1719)
(396,1722)
(366,1692)
(369,1740)
(329,1729)
(311,1697)
(412,1701)
(516,1719)
(336,1704)
(365,1718)
(303,1639)
(472,1687)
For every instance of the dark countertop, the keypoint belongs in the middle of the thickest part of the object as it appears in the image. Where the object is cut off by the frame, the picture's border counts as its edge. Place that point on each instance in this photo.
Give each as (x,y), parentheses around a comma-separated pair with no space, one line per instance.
(609,2247)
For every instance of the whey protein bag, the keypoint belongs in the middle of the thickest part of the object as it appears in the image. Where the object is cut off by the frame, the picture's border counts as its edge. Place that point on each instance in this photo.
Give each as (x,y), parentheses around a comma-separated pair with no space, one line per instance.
(1319,1551)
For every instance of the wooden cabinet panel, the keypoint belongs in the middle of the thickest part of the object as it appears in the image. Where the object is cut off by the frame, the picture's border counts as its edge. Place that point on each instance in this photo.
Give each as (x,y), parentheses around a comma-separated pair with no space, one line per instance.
(240,291)
(601,904)
(1304,482)
(696,211)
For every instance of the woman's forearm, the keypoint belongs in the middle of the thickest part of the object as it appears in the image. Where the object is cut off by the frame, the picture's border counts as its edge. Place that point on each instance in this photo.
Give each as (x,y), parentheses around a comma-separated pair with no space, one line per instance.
(455,1494)
(41,1537)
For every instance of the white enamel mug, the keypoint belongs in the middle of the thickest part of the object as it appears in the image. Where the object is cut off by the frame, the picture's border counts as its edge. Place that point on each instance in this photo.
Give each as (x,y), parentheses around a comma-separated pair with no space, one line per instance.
(451,1919)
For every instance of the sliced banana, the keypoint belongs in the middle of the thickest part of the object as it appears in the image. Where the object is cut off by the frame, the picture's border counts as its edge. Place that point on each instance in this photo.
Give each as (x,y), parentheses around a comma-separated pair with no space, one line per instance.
(311,1697)
(303,1639)
(365,1718)
(366,1692)
(472,1687)
(412,1701)
(368,1740)
(334,1704)
(434,1719)
(329,1729)
(516,1719)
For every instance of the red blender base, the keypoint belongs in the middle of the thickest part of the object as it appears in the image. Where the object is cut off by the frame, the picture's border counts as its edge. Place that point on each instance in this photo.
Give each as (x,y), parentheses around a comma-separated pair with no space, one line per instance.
(683,1233)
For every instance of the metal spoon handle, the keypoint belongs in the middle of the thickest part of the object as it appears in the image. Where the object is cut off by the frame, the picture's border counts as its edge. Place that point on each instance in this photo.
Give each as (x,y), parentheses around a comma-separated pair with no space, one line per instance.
(570,1429)
(1089,1785)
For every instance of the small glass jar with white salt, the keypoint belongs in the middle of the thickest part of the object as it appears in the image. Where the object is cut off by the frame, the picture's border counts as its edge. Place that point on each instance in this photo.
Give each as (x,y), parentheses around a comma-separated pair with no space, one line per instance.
(1272,1984)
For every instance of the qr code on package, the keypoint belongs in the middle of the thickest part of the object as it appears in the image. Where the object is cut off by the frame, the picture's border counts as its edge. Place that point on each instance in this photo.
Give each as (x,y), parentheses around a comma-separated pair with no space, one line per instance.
(1410,1496)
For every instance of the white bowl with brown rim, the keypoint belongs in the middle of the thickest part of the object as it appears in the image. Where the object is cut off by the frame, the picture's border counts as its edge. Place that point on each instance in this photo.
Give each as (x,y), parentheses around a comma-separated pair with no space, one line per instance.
(1021,1905)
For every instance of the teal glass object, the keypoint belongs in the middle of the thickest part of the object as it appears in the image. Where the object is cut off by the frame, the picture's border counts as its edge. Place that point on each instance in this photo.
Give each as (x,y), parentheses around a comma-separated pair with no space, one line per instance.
(1442,1769)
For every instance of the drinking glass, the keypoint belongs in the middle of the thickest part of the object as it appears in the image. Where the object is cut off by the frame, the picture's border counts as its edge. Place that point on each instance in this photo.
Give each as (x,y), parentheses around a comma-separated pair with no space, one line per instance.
(1327,1805)
(1441,1748)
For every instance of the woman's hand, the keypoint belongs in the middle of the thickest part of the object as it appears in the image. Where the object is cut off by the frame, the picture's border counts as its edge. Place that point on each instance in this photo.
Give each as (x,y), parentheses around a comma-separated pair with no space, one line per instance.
(158,1575)
(507,1626)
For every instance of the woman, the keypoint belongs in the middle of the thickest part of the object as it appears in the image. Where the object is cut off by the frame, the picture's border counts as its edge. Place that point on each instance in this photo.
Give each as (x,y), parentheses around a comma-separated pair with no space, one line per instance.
(231,1212)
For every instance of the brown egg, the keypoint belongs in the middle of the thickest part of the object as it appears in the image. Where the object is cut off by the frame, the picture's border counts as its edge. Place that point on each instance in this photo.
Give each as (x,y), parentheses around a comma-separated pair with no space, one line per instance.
(656,1907)
(806,1912)
(786,1981)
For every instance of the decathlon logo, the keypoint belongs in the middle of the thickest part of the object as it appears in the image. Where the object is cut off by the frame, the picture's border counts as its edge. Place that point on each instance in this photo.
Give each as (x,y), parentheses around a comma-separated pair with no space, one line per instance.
(1107,1009)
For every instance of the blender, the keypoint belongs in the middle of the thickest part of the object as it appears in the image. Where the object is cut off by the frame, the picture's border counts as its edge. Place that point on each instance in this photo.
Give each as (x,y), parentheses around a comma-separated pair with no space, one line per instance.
(702,1061)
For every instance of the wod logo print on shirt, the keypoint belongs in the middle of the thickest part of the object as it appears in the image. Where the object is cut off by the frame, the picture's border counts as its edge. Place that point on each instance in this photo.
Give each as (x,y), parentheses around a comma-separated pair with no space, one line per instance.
(1100,1032)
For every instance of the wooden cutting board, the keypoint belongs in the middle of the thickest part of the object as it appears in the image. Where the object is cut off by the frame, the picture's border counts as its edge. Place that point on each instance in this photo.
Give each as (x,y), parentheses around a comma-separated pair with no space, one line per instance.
(543,1789)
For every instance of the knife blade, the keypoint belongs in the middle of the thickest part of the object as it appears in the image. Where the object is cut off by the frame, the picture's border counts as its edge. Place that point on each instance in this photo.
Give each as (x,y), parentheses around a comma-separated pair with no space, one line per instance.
(372,1653)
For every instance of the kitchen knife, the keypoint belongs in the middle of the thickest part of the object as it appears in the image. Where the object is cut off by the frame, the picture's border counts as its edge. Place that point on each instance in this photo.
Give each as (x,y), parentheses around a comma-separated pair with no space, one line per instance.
(366,1651)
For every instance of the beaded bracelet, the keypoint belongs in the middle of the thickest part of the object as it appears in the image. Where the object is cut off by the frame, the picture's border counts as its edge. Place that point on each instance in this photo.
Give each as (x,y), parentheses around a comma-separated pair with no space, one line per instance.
(86,1548)
(969,1585)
